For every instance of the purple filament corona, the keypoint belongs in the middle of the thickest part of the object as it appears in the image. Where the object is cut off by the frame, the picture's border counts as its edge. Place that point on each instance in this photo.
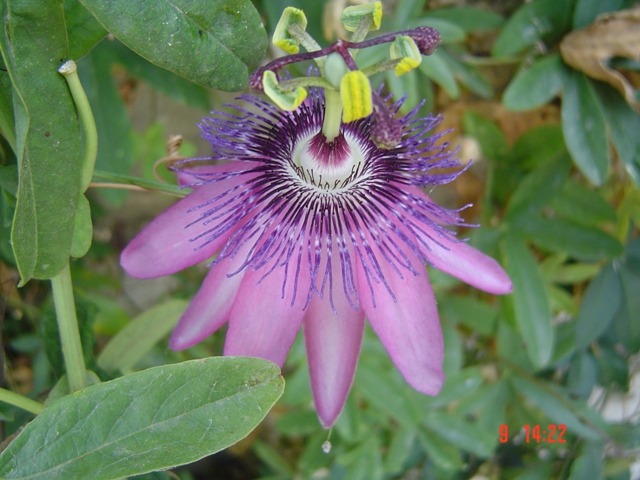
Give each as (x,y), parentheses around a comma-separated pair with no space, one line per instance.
(281,215)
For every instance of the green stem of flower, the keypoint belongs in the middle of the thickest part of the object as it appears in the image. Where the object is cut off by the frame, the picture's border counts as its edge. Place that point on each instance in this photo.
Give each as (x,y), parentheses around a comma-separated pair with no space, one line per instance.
(363,29)
(100,176)
(21,401)
(70,72)
(68,326)
(332,114)
(307,41)
(291,85)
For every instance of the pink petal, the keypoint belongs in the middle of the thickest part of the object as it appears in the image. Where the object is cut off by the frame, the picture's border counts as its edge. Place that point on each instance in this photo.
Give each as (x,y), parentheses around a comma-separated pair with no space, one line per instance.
(408,327)
(263,322)
(211,307)
(203,172)
(163,247)
(333,345)
(462,261)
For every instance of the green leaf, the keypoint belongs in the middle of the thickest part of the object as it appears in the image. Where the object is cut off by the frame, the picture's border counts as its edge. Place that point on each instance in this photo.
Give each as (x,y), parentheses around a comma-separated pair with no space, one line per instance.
(298,423)
(33,43)
(83,229)
(586,11)
(582,375)
(536,146)
(613,368)
(405,85)
(559,235)
(271,457)
(83,30)
(171,85)
(214,44)
(461,433)
(530,301)
(531,23)
(7,122)
(624,123)
(540,187)
(151,420)
(435,68)
(471,19)
(479,316)
(584,206)
(440,452)
(467,75)
(115,145)
(402,440)
(584,128)
(589,463)
(136,339)
(536,85)
(630,276)
(492,141)
(554,404)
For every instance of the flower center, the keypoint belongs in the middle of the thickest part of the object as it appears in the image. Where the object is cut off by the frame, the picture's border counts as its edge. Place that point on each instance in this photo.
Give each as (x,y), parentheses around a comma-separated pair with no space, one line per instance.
(328,165)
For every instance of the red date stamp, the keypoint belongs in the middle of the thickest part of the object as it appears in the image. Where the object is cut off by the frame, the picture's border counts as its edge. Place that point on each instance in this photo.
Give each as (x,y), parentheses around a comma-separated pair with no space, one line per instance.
(535,433)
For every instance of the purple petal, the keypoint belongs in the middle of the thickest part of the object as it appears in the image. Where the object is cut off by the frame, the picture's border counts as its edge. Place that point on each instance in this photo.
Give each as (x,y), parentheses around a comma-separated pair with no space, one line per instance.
(263,322)
(462,261)
(333,343)
(163,247)
(408,327)
(210,308)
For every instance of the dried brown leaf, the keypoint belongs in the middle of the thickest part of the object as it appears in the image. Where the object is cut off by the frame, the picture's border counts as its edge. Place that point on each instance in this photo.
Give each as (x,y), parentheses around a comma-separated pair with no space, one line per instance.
(611,35)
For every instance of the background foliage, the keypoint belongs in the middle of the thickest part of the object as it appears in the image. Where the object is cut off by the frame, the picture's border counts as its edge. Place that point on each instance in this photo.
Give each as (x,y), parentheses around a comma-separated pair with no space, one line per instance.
(543,95)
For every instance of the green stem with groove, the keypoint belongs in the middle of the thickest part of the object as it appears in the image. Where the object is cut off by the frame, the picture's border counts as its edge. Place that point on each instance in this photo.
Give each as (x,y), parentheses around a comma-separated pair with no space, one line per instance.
(68,326)
(21,401)
(70,73)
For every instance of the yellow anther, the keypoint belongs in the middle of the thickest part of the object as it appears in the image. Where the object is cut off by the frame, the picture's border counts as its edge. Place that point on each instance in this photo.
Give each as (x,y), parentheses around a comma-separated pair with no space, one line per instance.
(352,16)
(355,94)
(281,36)
(406,65)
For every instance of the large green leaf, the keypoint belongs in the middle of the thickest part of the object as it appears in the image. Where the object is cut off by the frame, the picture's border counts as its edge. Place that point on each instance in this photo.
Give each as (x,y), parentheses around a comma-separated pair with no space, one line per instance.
(214,44)
(173,86)
(536,85)
(584,127)
(83,29)
(530,301)
(33,43)
(152,420)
